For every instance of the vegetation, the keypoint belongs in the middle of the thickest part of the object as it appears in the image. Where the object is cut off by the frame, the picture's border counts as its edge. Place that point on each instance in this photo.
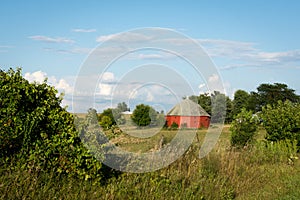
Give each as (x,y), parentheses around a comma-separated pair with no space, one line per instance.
(243,128)
(38,133)
(240,100)
(144,115)
(42,155)
(218,105)
(282,121)
(113,116)
(224,174)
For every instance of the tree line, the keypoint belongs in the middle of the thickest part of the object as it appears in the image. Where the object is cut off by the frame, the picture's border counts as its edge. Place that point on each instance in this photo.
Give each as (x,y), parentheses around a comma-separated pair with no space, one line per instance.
(266,94)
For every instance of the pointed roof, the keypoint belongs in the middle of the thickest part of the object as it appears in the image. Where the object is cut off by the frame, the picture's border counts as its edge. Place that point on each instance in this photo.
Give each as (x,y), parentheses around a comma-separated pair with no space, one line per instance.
(187,108)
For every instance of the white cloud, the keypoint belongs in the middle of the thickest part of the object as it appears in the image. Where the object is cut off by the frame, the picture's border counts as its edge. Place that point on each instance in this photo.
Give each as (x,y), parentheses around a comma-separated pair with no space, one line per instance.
(79,30)
(76,50)
(61,85)
(37,76)
(105,89)
(106,85)
(246,54)
(51,39)
(124,37)
(213,78)
(108,76)
(202,85)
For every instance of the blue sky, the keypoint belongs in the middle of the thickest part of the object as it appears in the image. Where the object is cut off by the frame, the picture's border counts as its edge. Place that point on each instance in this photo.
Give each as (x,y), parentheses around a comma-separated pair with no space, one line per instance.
(250,42)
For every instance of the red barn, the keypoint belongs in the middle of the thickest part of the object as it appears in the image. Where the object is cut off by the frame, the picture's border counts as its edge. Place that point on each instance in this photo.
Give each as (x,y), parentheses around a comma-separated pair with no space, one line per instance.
(188,114)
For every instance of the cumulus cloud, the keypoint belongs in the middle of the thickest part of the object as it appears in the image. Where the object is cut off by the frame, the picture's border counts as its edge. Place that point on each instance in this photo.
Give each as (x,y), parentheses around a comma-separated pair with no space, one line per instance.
(105,89)
(62,85)
(39,76)
(51,39)
(107,83)
(108,76)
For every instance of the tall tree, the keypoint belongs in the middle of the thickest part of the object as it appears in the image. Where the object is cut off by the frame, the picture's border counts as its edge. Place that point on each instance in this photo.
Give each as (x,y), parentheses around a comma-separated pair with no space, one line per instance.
(229,110)
(272,93)
(204,100)
(268,94)
(218,107)
(123,107)
(144,115)
(241,100)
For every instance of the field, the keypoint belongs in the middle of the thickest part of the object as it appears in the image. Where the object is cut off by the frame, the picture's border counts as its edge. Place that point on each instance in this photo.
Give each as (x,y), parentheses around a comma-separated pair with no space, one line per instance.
(263,171)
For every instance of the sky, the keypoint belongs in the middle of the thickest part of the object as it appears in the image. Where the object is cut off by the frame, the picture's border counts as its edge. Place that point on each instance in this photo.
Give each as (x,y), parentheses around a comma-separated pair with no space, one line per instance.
(248,42)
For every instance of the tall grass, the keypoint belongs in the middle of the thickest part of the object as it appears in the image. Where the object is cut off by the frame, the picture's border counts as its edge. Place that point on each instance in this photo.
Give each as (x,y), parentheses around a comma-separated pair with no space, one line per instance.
(262,171)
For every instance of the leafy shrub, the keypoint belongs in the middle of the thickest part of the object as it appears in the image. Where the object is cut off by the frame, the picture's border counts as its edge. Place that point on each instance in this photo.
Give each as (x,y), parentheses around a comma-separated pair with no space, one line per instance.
(144,115)
(35,129)
(243,128)
(174,126)
(282,121)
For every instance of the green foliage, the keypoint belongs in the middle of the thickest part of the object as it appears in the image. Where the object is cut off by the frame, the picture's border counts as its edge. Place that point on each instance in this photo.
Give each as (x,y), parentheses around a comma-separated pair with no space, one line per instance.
(174,126)
(220,103)
(218,107)
(224,174)
(229,110)
(123,107)
(243,128)
(267,152)
(270,94)
(37,131)
(241,100)
(112,116)
(108,113)
(106,122)
(144,115)
(282,121)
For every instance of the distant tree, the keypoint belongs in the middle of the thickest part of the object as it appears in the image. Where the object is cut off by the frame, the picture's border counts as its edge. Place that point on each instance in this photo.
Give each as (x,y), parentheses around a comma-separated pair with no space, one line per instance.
(108,112)
(222,104)
(241,100)
(160,120)
(229,110)
(204,101)
(272,93)
(254,102)
(123,107)
(144,115)
(106,122)
(218,107)
(91,117)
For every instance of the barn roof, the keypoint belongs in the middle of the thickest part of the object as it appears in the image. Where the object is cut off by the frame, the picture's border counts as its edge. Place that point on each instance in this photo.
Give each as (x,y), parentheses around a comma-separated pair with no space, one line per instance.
(187,108)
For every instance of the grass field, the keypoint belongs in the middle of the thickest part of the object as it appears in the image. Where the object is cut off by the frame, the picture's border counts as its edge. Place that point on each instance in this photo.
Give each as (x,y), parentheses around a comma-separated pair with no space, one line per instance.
(264,171)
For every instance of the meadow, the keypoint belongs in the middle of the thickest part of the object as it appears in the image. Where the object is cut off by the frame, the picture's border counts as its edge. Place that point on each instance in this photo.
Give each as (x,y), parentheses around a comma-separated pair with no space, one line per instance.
(260,171)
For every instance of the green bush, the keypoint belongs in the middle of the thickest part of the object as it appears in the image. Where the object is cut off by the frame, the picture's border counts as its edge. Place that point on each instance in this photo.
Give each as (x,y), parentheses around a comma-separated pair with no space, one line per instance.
(144,115)
(282,121)
(38,132)
(243,128)
(174,126)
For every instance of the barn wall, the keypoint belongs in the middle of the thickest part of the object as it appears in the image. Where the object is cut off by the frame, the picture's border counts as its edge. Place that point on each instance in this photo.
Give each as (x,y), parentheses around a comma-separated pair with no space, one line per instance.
(189,121)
